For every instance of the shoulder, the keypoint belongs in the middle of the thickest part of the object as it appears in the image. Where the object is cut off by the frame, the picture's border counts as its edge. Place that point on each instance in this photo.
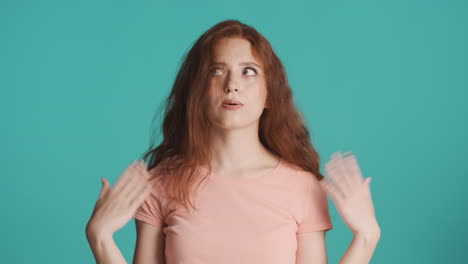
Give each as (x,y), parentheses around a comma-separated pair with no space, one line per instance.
(158,179)
(299,175)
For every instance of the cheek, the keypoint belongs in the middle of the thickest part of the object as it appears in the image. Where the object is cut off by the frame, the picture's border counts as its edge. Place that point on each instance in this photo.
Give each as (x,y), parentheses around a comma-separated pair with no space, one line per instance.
(258,93)
(216,88)
(213,93)
(258,86)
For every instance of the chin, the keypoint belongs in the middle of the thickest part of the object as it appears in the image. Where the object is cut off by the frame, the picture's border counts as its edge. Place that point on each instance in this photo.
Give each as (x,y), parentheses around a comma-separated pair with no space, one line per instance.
(235,124)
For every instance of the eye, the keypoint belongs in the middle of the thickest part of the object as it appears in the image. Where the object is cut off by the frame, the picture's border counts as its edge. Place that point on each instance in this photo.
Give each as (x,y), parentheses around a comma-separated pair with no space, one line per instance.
(250,68)
(213,70)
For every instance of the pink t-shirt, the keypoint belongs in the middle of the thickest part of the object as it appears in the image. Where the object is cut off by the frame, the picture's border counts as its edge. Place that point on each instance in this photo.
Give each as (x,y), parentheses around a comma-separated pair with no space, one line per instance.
(241,221)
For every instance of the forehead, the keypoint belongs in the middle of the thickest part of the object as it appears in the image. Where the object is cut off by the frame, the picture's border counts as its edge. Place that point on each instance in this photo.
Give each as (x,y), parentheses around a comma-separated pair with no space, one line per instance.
(233,49)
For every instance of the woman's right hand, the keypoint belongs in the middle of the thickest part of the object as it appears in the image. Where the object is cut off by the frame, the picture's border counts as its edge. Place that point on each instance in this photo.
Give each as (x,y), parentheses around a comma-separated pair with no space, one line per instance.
(115,207)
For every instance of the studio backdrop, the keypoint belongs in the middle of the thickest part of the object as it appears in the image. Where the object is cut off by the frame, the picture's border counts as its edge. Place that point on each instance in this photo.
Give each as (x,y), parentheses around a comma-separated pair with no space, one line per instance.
(81,83)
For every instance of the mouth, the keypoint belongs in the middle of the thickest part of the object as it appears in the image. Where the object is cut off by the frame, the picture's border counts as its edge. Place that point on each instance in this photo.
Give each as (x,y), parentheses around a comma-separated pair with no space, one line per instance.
(231,102)
(231,106)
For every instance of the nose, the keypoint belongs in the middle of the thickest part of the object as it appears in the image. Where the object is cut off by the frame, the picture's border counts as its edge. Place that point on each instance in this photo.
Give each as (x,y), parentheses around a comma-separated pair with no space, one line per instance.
(231,84)
(229,89)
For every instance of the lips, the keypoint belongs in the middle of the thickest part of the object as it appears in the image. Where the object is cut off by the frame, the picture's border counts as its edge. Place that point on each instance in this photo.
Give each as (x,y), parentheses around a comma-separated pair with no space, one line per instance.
(232,102)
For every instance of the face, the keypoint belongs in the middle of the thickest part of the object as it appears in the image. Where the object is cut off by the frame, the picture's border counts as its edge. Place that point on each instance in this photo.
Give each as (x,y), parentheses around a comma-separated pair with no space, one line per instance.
(236,74)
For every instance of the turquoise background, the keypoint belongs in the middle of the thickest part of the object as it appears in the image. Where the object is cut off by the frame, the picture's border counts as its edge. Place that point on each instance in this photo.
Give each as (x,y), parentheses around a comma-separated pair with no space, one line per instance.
(81,80)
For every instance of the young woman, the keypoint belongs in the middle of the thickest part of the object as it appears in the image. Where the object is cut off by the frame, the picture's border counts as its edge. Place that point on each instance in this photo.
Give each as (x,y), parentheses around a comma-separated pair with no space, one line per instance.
(236,178)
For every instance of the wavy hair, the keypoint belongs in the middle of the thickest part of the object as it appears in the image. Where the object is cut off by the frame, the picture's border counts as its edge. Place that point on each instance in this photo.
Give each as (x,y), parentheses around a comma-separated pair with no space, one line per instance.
(185,143)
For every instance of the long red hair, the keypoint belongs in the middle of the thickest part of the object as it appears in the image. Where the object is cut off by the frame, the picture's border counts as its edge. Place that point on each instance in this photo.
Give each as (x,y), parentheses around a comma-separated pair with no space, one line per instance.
(185,143)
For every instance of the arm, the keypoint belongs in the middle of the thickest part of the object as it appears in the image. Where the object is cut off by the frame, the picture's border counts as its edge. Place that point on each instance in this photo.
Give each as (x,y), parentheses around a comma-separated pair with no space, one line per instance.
(149,246)
(104,248)
(311,248)
(114,208)
(352,197)
(362,248)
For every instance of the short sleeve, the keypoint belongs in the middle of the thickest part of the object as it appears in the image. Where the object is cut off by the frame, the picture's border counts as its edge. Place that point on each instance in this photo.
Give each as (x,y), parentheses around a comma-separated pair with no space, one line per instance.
(316,215)
(151,210)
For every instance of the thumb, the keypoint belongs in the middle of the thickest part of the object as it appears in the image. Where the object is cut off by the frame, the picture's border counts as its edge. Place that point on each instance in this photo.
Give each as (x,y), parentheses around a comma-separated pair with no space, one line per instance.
(105,187)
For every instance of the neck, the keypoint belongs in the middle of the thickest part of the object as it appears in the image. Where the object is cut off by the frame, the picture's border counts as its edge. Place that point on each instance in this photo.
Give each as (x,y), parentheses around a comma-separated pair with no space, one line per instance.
(238,148)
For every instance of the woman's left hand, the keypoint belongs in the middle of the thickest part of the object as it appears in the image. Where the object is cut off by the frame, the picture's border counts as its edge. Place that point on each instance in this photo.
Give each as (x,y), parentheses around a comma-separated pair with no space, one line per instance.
(350,193)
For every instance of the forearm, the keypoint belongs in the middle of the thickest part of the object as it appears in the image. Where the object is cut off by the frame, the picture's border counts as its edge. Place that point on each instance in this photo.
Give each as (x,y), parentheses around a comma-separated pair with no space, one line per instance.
(361,249)
(104,249)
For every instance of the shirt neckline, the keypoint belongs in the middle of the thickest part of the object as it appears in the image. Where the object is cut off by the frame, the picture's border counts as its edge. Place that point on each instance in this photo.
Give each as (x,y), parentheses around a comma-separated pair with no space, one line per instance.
(266,174)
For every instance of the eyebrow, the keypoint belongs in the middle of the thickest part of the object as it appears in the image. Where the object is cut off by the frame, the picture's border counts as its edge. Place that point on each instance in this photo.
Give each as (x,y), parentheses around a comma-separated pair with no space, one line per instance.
(241,63)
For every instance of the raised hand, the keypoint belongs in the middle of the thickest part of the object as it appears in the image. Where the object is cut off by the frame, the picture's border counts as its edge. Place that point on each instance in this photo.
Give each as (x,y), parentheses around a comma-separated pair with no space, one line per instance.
(350,192)
(116,206)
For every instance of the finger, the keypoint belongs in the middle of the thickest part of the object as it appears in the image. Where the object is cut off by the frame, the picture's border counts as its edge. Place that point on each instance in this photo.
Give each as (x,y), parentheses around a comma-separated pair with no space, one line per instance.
(138,182)
(144,165)
(141,167)
(121,181)
(140,164)
(104,188)
(125,177)
(335,176)
(144,169)
(353,167)
(141,197)
(132,185)
(343,174)
(140,177)
(141,188)
(331,190)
